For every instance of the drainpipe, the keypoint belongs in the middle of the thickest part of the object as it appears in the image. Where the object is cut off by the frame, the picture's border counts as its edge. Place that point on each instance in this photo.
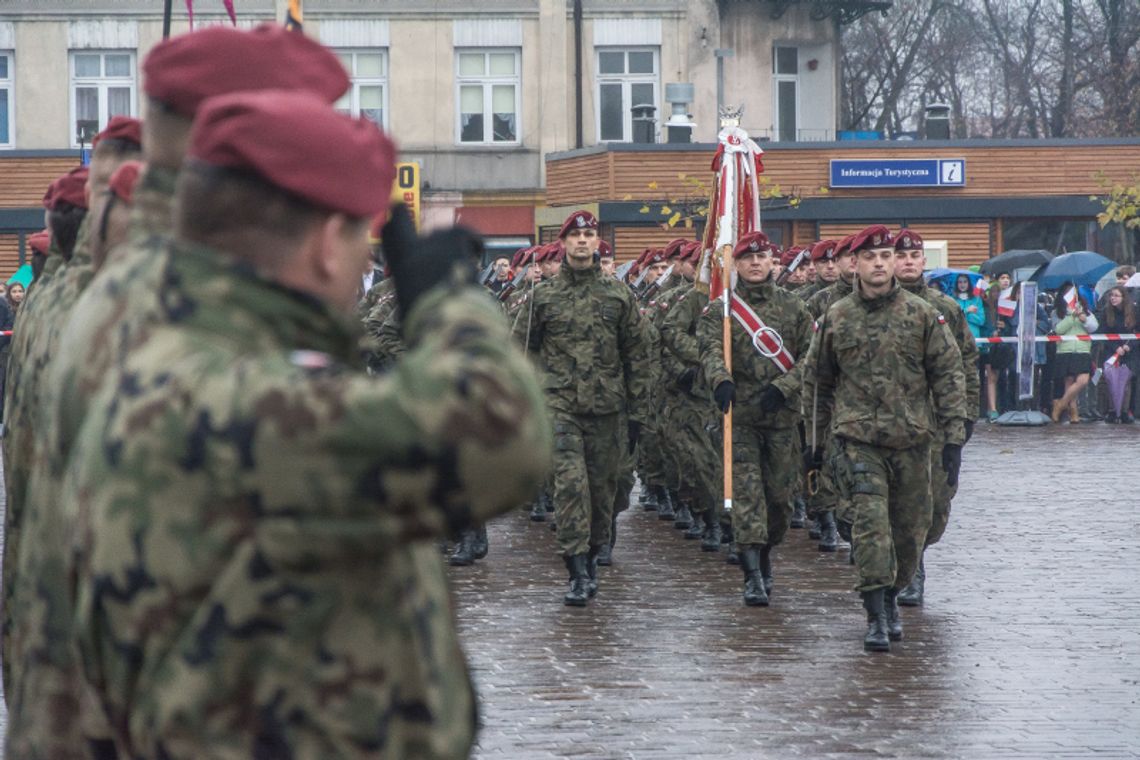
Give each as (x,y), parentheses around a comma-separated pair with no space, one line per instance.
(578,142)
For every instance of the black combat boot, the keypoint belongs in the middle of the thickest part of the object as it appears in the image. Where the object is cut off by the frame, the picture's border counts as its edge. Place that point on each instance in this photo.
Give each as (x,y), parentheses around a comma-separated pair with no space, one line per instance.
(894,622)
(538,510)
(664,504)
(814,528)
(711,535)
(699,526)
(799,512)
(766,567)
(592,562)
(648,498)
(684,519)
(606,551)
(464,553)
(911,596)
(828,534)
(876,639)
(481,546)
(754,594)
(578,567)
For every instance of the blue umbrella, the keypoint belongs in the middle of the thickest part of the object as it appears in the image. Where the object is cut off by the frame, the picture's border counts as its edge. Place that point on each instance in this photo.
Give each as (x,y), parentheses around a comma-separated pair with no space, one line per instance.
(947,279)
(1078,267)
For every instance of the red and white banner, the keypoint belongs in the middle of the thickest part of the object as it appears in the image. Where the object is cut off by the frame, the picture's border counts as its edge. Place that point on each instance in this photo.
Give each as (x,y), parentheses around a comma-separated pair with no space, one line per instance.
(1065,338)
(1006,306)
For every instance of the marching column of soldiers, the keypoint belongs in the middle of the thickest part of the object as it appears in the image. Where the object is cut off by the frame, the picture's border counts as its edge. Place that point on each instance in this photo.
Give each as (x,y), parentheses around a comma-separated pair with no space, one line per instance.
(851,386)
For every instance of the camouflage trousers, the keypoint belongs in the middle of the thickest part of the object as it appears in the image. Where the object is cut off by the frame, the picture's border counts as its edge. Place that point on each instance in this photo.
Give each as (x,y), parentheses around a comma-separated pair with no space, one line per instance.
(587,455)
(651,463)
(941,495)
(697,472)
(765,462)
(889,492)
(828,496)
(625,477)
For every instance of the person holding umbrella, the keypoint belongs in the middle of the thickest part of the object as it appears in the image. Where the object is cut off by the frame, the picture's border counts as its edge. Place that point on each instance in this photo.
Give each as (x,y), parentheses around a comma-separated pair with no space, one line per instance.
(1117,314)
(1074,358)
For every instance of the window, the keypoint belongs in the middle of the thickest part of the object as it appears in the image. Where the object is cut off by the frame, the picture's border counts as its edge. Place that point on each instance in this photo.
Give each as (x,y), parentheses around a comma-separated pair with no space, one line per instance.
(368,95)
(626,78)
(488,97)
(6,89)
(102,86)
(785,86)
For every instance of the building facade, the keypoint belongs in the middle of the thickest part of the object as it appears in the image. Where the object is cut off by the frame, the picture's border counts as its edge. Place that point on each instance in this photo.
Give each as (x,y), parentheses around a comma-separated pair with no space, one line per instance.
(478,94)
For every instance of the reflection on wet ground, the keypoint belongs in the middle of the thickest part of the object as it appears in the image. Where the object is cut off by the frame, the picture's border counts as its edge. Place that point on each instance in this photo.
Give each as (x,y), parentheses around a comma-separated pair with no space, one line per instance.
(1028,646)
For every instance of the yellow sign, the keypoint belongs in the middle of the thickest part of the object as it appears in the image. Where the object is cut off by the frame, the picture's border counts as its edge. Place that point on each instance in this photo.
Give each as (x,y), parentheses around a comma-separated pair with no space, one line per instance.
(406,189)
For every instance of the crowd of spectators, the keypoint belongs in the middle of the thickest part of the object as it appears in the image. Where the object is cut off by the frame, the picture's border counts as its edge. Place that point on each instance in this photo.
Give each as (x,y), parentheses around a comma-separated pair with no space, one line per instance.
(1070,380)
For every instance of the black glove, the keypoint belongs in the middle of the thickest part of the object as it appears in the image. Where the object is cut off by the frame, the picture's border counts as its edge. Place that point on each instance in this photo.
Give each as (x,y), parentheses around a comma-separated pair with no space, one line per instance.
(951,462)
(969,430)
(634,434)
(419,264)
(686,378)
(771,400)
(813,459)
(725,394)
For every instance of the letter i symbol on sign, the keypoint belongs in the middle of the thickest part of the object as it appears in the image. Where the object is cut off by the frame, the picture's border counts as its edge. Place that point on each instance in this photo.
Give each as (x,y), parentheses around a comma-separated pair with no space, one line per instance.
(952,172)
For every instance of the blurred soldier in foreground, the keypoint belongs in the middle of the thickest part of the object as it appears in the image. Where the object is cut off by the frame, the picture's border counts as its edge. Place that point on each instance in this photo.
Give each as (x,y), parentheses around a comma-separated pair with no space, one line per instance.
(256,573)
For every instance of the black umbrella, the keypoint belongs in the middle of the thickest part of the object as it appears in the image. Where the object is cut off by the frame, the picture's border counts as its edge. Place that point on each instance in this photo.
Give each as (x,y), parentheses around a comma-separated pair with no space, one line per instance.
(1018,258)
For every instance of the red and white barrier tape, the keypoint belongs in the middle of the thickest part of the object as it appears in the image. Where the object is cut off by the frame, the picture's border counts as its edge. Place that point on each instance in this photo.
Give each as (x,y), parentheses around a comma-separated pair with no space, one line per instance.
(1064,338)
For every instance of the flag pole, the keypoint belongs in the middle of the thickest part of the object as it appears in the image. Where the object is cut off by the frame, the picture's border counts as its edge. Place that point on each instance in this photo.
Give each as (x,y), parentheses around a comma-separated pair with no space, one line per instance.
(167,10)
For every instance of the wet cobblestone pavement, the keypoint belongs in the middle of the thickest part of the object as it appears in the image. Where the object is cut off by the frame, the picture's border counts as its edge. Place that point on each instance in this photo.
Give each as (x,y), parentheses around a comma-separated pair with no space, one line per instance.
(1028,645)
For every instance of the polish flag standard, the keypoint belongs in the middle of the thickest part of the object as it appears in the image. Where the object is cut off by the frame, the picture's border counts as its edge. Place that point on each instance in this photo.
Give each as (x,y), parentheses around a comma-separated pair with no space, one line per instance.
(1006,306)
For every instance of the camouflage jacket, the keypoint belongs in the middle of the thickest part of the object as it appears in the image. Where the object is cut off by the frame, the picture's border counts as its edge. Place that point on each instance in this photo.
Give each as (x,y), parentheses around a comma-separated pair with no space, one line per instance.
(256,571)
(679,339)
(960,330)
(670,366)
(819,301)
(383,306)
(589,337)
(887,371)
(24,421)
(374,294)
(753,372)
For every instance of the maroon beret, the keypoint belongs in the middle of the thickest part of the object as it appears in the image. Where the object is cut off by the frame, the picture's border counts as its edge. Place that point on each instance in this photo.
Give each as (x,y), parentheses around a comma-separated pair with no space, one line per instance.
(183,71)
(843,247)
(298,143)
(40,241)
(124,179)
(908,240)
(604,250)
(521,256)
(673,249)
(70,188)
(824,250)
(788,256)
(125,128)
(579,220)
(691,251)
(549,252)
(875,236)
(656,256)
(752,242)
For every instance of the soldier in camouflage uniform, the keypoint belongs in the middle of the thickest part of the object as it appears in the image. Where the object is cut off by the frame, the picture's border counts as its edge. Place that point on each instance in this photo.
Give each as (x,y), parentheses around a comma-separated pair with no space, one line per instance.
(66,204)
(118,308)
(889,381)
(44,665)
(650,458)
(910,260)
(836,261)
(587,335)
(689,413)
(763,388)
(256,576)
